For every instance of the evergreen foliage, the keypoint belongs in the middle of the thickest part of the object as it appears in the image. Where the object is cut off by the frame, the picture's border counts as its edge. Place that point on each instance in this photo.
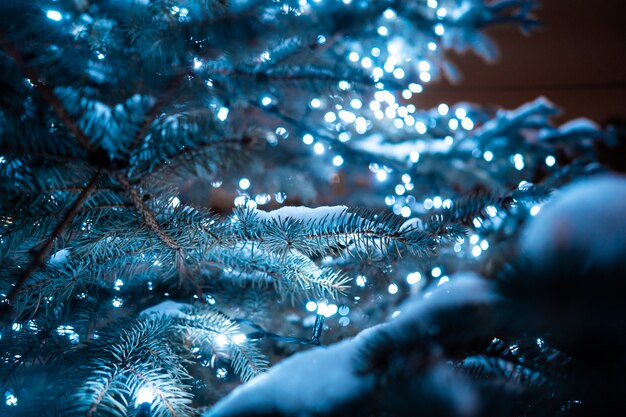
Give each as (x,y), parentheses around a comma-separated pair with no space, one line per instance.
(117,281)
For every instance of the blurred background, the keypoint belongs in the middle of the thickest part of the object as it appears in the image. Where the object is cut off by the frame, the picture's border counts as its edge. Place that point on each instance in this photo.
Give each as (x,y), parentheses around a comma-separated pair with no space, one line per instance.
(577,60)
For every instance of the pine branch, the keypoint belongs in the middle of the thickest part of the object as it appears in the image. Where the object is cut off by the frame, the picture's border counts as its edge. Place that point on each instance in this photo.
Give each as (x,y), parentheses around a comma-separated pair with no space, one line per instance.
(43,250)
(48,94)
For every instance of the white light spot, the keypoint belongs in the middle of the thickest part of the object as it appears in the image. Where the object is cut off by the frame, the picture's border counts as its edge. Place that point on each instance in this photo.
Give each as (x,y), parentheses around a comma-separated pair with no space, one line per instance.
(416,88)
(175,202)
(442,12)
(439,29)
(244,183)
(383,31)
(344,85)
(117,302)
(381,175)
(266,101)
(550,160)
(453,124)
(338,161)
(414,156)
(221,340)
(347,116)
(367,62)
(432,46)
(144,395)
(197,64)
(413,278)
(518,160)
(474,239)
(444,279)
(316,103)
(443,109)
(222,114)
(535,210)
(425,76)
(392,289)
(428,204)
(460,113)
(423,66)
(361,281)
(330,117)
(354,57)
(238,338)
(467,123)
(389,14)
(484,245)
(398,73)
(437,202)
(356,103)
(54,15)
(420,127)
(318,148)
(488,155)
(311,306)
(476,251)
(405,211)
(436,272)
(307,138)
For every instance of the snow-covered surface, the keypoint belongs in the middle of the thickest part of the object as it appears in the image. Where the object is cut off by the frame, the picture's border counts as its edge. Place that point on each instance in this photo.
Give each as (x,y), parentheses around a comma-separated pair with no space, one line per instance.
(60,257)
(577,128)
(588,217)
(168,308)
(325,379)
(301,212)
(401,152)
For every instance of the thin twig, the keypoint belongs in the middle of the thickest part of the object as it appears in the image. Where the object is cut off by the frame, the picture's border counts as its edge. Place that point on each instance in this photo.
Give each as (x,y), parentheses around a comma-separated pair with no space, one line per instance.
(43,250)
(47,93)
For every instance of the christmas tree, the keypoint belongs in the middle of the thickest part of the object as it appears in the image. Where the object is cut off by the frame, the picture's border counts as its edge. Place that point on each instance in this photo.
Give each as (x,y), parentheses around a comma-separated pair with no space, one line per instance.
(238,208)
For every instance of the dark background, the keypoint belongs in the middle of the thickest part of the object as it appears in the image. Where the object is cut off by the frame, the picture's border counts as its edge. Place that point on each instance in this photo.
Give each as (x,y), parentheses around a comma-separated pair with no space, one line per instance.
(577,60)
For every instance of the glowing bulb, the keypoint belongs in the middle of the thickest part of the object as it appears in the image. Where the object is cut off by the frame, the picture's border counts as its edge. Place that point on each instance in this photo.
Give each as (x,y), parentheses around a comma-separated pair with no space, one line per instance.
(361,281)
(238,338)
(54,15)
(550,160)
(307,138)
(392,289)
(266,101)
(398,73)
(381,175)
(467,123)
(338,161)
(244,183)
(405,211)
(383,31)
(144,395)
(443,109)
(460,113)
(488,155)
(330,117)
(316,103)
(312,305)
(222,114)
(221,340)
(425,76)
(535,210)
(354,57)
(356,103)
(413,278)
(424,66)
(436,272)
(318,148)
